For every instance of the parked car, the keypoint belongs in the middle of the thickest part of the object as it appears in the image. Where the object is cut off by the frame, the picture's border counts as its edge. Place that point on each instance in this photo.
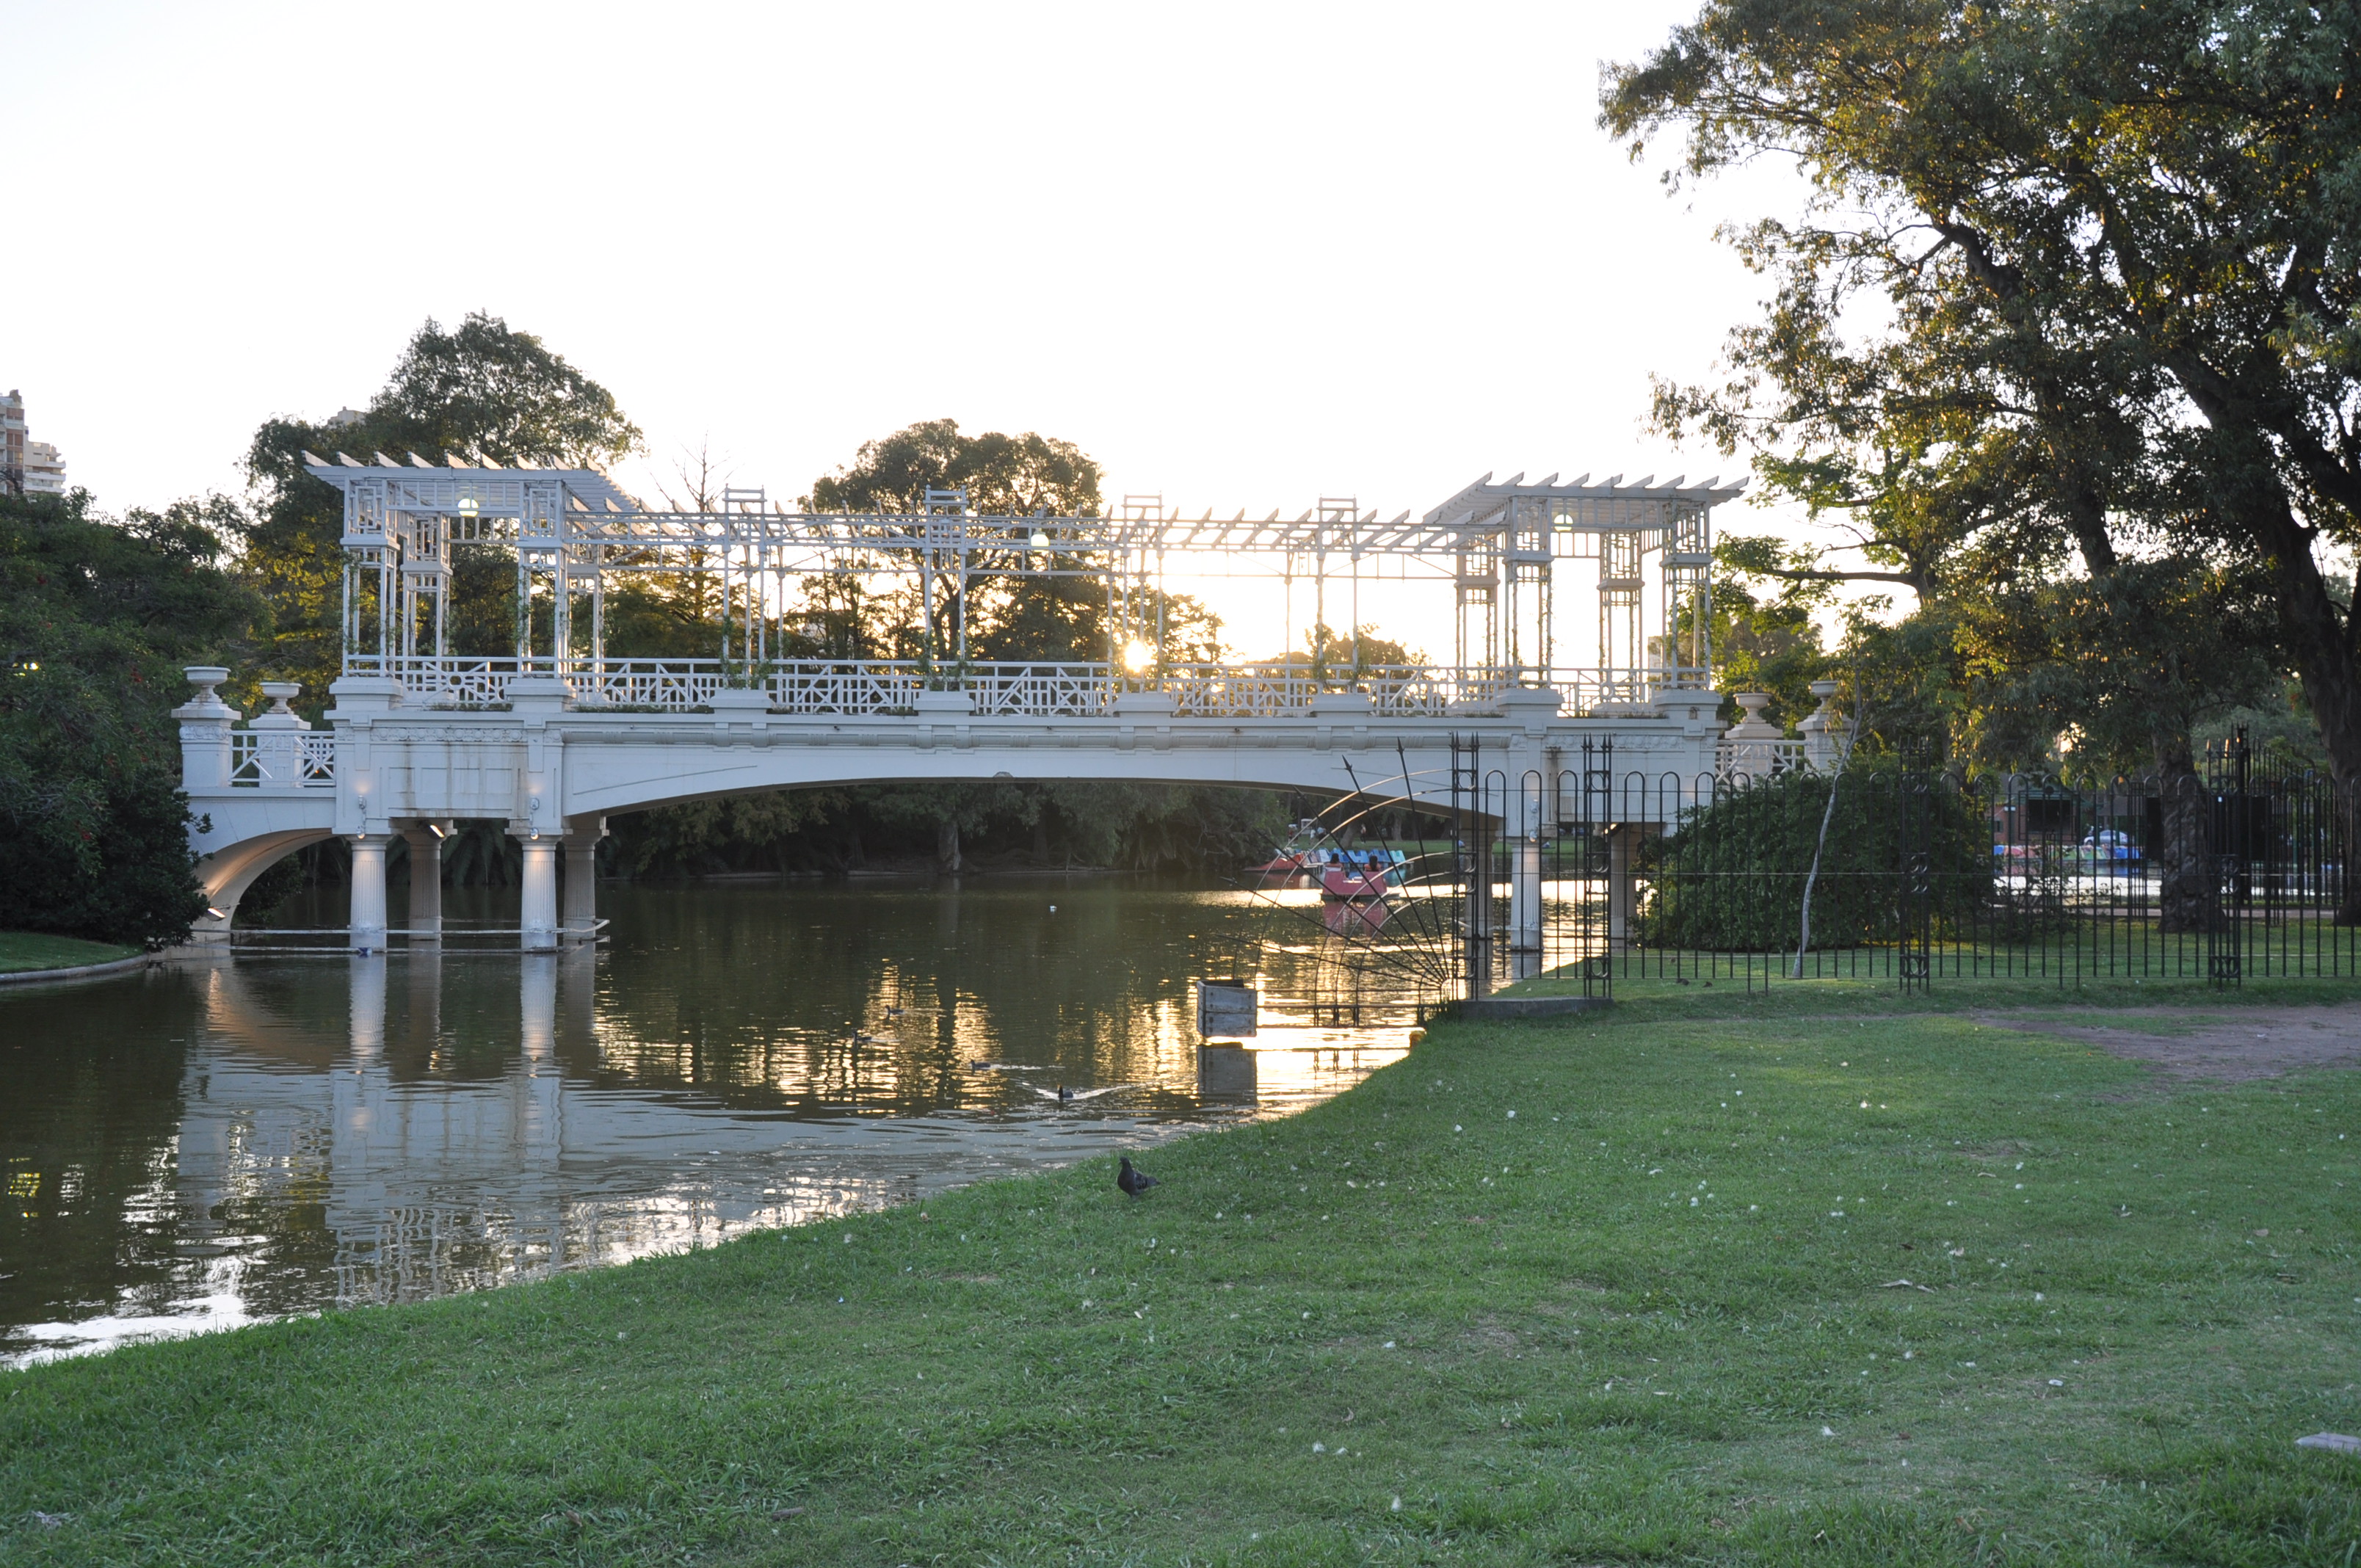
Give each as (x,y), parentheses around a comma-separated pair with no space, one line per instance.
(2111,849)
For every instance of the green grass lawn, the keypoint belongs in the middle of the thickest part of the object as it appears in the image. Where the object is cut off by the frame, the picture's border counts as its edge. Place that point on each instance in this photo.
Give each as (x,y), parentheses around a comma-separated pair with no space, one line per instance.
(22,950)
(1703,1279)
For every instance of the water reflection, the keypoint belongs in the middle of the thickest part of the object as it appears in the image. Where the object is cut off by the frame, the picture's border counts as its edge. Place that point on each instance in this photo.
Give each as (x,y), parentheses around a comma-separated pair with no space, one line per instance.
(203,1146)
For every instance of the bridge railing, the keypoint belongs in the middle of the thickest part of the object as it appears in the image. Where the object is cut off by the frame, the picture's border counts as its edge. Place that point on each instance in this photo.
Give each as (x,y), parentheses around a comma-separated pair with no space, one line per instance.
(881,687)
(282,759)
(1759,759)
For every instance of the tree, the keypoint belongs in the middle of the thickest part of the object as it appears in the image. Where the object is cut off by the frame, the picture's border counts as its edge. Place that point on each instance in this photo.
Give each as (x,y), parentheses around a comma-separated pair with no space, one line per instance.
(1003,476)
(2072,276)
(483,392)
(1766,642)
(489,390)
(1007,609)
(96,619)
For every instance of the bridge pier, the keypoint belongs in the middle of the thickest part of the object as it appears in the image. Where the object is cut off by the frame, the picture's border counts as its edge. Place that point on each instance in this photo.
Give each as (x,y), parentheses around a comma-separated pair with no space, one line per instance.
(540,904)
(366,923)
(425,841)
(582,878)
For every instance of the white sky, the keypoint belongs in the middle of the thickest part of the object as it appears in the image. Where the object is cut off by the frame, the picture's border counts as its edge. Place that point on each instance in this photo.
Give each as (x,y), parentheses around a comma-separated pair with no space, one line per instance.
(1243,255)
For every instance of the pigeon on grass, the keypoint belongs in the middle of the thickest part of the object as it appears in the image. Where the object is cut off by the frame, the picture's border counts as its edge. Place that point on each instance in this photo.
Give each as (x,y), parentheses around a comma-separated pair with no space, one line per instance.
(1132,1181)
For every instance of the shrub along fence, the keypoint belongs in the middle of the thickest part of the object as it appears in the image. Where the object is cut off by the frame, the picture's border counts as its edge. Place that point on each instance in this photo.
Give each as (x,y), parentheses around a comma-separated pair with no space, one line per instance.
(1916,876)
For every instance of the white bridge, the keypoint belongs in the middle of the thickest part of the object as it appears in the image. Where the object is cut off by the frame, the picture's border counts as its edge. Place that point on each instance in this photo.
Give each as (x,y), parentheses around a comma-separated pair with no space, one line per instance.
(555,737)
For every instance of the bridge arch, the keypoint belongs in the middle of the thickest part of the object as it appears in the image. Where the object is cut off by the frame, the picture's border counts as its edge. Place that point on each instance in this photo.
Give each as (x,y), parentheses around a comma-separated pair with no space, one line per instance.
(228,868)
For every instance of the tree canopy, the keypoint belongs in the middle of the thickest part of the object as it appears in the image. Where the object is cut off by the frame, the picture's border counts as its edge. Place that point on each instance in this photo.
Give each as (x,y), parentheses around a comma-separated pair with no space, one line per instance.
(1011,610)
(96,619)
(489,390)
(2067,320)
(1015,476)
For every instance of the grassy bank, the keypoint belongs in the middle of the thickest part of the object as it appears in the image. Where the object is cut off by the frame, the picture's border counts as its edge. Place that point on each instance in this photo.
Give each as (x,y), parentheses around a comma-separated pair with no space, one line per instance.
(21,950)
(1704,1279)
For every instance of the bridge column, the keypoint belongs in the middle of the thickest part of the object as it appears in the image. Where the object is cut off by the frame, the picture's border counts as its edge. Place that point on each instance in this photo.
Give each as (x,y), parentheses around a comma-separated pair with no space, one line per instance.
(540,921)
(425,841)
(1525,904)
(582,877)
(1622,900)
(366,923)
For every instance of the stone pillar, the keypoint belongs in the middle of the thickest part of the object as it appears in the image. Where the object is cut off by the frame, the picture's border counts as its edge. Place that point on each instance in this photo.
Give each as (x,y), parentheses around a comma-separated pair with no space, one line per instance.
(1824,731)
(366,923)
(277,760)
(582,878)
(205,723)
(1750,748)
(540,921)
(425,841)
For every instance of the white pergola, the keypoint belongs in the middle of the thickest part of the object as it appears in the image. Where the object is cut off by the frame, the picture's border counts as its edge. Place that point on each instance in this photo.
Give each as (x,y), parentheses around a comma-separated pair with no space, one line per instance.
(1504,548)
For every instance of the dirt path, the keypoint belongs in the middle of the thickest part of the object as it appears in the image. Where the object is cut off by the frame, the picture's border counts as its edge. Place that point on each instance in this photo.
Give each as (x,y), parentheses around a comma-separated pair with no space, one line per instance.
(2261,1042)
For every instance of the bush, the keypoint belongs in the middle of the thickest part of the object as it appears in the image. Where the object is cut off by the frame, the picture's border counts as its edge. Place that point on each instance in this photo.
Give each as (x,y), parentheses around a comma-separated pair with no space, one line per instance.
(1731,874)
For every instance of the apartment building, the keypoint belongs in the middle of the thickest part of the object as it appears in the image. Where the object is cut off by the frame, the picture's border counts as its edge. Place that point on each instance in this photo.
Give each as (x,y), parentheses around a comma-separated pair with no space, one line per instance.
(26,466)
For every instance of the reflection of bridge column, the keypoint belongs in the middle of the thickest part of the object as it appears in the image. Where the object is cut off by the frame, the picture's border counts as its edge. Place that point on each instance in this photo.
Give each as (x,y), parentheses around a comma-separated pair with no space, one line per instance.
(577,985)
(537,1010)
(582,877)
(367,1008)
(425,841)
(365,921)
(425,1023)
(537,1120)
(356,1094)
(540,914)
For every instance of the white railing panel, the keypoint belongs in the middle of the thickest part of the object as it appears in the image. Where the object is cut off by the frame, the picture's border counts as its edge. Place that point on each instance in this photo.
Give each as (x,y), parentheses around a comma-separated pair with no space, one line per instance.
(282,759)
(1744,761)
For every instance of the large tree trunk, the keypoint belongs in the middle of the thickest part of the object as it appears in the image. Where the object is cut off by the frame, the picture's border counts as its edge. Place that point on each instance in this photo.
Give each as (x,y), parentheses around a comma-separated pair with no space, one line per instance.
(947,845)
(2322,656)
(2318,636)
(2188,892)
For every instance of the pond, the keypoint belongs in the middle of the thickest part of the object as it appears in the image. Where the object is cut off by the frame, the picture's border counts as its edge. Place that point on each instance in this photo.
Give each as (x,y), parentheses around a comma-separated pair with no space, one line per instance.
(210,1144)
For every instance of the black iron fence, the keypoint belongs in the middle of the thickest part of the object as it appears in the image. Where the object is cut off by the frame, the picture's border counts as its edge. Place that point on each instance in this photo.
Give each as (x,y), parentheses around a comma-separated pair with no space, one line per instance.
(1900,873)
(1915,875)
